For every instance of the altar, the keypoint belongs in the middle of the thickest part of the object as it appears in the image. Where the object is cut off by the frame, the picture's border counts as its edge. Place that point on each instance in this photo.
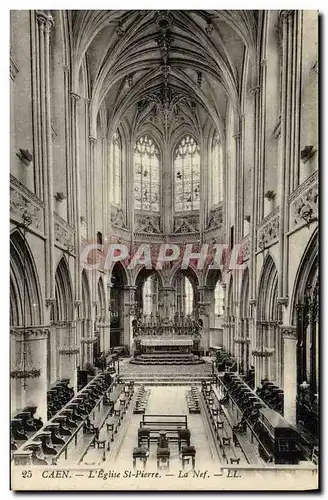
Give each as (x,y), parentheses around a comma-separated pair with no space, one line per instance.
(171,338)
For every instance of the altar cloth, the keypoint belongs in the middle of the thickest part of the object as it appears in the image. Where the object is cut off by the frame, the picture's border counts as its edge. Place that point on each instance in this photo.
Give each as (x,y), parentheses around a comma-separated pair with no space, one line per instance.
(167,341)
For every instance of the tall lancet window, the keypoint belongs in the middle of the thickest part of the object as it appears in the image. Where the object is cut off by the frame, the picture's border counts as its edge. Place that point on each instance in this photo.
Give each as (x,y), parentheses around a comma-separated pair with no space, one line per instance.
(219,300)
(116,157)
(146,175)
(147,297)
(217,172)
(189,297)
(186,175)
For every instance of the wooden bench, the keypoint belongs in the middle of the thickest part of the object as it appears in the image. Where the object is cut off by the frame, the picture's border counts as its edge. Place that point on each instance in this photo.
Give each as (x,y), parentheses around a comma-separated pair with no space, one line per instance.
(161,421)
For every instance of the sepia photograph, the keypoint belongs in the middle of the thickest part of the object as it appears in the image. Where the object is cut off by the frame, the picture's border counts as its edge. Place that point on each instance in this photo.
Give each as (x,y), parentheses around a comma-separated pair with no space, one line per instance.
(164,250)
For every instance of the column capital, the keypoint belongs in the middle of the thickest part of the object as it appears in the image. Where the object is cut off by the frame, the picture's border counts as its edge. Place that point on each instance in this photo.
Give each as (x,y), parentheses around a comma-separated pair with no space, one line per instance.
(37,332)
(236,136)
(254,91)
(288,332)
(129,287)
(204,288)
(285,15)
(93,140)
(282,301)
(75,96)
(50,302)
(64,324)
(45,21)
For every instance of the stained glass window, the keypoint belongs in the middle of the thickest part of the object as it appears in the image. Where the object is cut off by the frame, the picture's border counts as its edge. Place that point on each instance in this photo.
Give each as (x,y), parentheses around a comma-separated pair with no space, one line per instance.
(186,175)
(217,172)
(189,296)
(150,295)
(218,299)
(147,297)
(146,175)
(116,163)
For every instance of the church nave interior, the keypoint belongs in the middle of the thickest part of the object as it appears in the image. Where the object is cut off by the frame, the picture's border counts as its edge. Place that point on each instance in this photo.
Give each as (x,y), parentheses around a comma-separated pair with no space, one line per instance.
(164,273)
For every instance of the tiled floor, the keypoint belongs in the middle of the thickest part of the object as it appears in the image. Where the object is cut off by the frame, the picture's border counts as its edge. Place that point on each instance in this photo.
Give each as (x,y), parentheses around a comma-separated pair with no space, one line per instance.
(166,400)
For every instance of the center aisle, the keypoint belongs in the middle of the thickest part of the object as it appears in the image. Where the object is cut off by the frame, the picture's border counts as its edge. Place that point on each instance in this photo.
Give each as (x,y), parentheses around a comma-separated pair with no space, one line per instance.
(166,400)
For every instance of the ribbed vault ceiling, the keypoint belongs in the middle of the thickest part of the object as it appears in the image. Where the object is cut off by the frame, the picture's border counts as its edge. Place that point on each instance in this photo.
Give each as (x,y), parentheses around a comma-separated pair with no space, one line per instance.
(163,69)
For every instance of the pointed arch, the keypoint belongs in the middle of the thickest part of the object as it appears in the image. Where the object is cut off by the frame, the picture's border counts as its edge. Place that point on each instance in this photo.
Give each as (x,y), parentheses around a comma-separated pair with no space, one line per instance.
(305,316)
(25,293)
(143,274)
(63,310)
(212,277)
(306,273)
(268,290)
(190,273)
(119,274)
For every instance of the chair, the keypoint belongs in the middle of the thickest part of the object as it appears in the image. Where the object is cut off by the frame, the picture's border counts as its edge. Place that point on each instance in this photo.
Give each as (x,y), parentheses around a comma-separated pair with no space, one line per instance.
(187,453)
(184,437)
(143,435)
(141,453)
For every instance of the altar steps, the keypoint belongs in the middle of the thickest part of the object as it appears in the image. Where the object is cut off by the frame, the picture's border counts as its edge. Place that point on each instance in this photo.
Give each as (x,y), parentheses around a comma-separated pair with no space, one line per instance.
(167,379)
(166,359)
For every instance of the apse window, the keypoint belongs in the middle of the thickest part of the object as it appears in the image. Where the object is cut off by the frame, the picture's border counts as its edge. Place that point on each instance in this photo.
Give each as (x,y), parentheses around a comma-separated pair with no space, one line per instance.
(217,172)
(186,175)
(189,297)
(146,175)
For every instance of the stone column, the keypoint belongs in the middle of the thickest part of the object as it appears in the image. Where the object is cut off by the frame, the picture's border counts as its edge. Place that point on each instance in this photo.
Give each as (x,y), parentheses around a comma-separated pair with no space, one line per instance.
(211,312)
(254,91)
(238,232)
(104,328)
(92,193)
(237,334)
(224,324)
(45,24)
(88,340)
(129,314)
(252,333)
(68,351)
(203,308)
(290,372)
(246,361)
(79,331)
(76,196)
(167,196)
(109,286)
